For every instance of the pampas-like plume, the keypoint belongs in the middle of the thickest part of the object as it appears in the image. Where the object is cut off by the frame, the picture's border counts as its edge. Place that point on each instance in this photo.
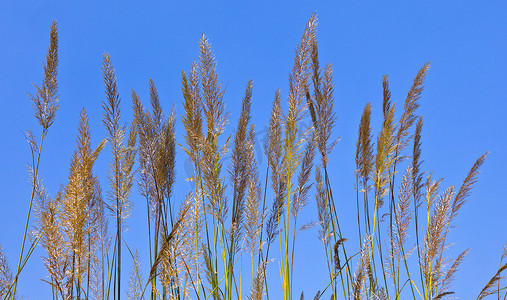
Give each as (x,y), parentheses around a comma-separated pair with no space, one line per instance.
(431,191)
(254,217)
(364,147)
(298,81)
(167,243)
(439,227)
(192,248)
(79,200)
(216,119)
(294,139)
(411,104)
(417,176)
(386,146)
(325,117)
(364,163)
(273,149)
(241,169)
(135,291)
(123,155)
(490,287)
(301,195)
(173,273)
(45,101)
(435,241)
(45,105)
(466,188)
(257,290)
(157,159)
(384,159)
(103,245)
(451,272)
(157,149)
(212,92)
(322,209)
(403,215)
(273,144)
(53,241)
(192,120)
(277,209)
(361,272)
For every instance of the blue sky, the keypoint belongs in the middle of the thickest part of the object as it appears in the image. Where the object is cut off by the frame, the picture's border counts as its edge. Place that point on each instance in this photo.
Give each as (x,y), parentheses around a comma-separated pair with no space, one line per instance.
(463,104)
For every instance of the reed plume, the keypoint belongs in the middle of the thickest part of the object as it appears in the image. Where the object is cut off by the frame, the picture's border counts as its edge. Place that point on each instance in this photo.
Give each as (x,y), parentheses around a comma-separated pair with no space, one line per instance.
(79,199)
(417,176)
(294,139)
(68,225)
(157,156)
(381,172)
(403,135)
(257,290)
(495,280)
(450,274)
(135,290)
(410,105)
(45,101)
(254,216)
(403,215)
(361,273)
(322,208)
(273,149)
(214,187)
(241,175)
(304,185)
(192,247)
(386,147)
(53,241)
(491,287)
(45,105)
(198,252)
(212,92)
(466,188)
(364,163)
(164,265)
(192,120)
(216,119)
(324,116)
(364,151)
(123,156)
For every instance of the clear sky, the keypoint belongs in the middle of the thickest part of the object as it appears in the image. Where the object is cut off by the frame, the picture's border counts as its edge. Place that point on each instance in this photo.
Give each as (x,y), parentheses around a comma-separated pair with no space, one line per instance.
(463,104)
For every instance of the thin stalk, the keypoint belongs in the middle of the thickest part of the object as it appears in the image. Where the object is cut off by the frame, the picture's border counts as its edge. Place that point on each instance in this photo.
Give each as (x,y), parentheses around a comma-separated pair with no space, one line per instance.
(260,256)
(119,257)
(330,195)
(29,212)
(357,208)
(263,208)
(111,270)
(287,289)
(416,221)
(329,203)
(379,245)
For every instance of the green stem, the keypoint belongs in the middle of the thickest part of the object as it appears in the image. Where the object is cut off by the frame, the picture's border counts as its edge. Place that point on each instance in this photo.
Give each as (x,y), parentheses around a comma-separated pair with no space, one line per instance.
(34,183)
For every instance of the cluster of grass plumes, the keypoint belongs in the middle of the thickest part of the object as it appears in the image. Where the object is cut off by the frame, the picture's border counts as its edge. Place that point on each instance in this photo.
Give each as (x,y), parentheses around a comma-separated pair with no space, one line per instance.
(197,244)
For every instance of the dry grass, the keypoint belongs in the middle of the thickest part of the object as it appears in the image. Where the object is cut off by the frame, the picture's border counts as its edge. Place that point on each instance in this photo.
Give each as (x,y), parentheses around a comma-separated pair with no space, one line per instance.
(231,213)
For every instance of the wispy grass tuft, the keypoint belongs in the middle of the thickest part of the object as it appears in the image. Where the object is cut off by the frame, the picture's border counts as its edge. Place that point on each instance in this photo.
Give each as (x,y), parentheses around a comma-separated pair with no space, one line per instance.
(232,216)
